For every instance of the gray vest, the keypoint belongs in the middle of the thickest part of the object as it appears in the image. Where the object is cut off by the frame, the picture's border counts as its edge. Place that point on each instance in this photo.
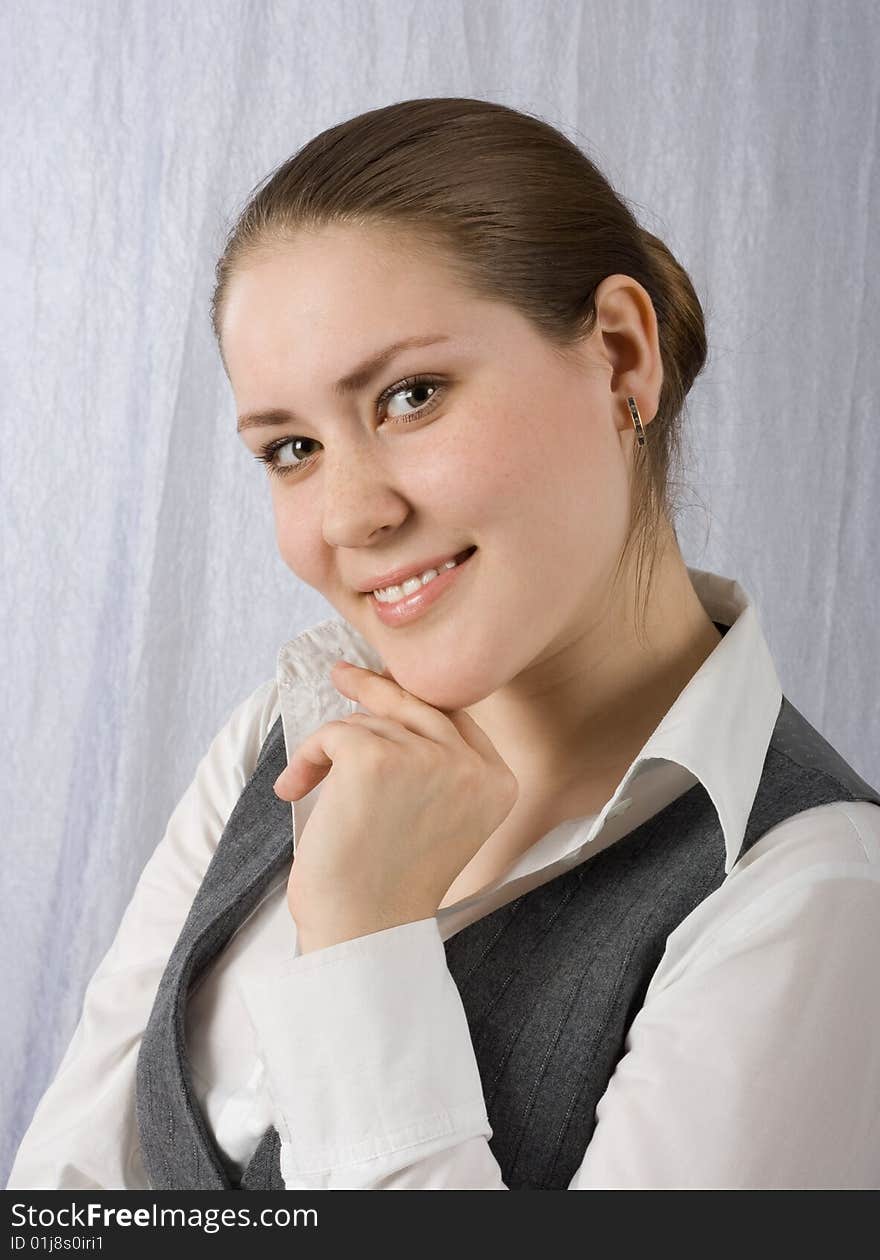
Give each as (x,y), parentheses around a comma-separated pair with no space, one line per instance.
(588,942)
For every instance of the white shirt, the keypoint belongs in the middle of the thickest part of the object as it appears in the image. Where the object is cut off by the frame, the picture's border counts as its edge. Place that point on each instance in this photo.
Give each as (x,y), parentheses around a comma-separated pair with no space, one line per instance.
(754,1061)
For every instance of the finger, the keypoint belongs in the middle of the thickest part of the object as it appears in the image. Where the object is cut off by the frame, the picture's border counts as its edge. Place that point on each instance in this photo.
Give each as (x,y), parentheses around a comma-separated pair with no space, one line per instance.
(313,759)
(424,719)
(386,698)
(386,727)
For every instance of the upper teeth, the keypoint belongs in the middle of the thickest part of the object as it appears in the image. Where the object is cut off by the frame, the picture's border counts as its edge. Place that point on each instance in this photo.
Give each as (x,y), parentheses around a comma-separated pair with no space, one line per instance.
(389,594)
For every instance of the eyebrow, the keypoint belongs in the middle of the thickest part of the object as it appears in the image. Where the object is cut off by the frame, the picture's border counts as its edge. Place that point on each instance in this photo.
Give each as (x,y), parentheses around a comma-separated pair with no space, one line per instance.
(358,378)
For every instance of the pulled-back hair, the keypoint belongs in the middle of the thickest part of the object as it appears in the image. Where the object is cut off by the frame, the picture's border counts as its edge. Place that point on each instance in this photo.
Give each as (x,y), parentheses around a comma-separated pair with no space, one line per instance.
(522,216)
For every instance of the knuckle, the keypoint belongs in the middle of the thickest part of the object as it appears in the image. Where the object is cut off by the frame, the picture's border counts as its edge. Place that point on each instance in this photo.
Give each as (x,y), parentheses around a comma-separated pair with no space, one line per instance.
(377,753)
(400,693)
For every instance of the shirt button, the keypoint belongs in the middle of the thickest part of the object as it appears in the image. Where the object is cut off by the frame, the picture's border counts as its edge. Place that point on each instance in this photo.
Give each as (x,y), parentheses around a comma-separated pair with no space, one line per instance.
(620,808)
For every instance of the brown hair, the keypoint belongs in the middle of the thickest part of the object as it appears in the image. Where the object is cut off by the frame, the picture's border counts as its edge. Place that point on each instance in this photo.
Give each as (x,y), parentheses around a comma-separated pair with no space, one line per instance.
(522,216)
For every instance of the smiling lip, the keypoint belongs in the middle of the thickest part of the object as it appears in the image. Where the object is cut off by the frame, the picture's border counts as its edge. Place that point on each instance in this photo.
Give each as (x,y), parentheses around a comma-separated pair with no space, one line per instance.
(411,607)
(394,577)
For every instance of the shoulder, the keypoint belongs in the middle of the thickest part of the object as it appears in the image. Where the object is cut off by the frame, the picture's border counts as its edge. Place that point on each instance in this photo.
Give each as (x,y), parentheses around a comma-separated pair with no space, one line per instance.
(834,837)
(818,867)
(196,823)
(237,743)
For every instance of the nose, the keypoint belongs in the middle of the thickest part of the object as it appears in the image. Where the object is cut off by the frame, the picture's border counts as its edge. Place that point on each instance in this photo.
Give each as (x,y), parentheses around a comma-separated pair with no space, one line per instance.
(360,499)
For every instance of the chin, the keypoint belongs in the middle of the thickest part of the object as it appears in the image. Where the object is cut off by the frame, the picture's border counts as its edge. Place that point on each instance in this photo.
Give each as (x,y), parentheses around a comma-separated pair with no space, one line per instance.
(447,693)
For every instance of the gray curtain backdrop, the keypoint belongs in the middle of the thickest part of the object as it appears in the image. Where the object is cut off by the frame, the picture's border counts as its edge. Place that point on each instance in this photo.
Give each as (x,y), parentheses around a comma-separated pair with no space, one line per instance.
(142,593)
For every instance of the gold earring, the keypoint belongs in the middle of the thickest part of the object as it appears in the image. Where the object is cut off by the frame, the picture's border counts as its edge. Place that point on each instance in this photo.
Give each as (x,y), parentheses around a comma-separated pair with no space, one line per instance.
(637,420)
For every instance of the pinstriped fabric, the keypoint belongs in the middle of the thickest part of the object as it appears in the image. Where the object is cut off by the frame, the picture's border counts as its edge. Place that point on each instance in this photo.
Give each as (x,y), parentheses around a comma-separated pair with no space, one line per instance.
(550,1003)
(550,983)
(257,843)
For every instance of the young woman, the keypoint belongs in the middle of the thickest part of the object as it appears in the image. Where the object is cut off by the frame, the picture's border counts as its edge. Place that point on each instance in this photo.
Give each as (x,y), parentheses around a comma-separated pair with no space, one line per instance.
(573,897)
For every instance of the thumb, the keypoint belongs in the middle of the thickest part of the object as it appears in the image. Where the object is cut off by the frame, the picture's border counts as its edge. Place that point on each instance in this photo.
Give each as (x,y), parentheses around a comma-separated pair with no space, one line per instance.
(283,787)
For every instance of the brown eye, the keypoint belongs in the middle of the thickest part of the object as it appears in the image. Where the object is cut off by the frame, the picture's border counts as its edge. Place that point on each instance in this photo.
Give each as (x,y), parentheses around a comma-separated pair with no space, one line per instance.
(269,455)
(413,385)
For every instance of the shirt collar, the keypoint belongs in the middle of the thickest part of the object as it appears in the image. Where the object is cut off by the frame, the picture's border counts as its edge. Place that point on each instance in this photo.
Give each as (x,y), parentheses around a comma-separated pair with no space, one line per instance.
(718,728)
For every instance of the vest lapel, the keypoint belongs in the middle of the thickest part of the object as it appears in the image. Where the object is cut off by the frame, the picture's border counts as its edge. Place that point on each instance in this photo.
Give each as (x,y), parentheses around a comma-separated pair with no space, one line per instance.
(256,844)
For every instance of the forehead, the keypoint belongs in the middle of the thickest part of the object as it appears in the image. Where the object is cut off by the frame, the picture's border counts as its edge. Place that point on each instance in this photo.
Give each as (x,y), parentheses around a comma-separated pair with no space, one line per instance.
(315,306)
(346,290)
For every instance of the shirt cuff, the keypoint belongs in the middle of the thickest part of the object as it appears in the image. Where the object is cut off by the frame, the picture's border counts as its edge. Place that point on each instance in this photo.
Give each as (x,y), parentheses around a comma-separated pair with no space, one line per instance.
(367,1050)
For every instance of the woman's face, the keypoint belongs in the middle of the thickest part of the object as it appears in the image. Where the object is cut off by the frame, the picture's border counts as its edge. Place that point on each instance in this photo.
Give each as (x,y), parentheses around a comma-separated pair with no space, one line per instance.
(510,449)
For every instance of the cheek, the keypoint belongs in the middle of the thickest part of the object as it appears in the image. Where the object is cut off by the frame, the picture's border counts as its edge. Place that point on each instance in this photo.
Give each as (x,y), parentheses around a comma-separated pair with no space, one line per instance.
(298,537)
(552,497)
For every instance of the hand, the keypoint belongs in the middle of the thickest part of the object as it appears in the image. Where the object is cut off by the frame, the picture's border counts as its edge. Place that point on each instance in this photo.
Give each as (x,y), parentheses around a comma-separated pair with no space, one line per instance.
(412,793)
